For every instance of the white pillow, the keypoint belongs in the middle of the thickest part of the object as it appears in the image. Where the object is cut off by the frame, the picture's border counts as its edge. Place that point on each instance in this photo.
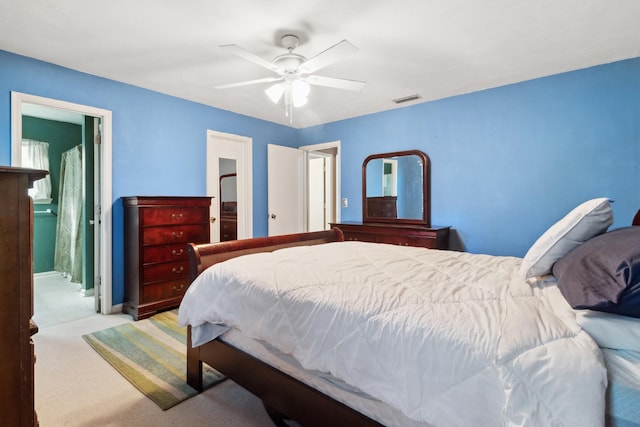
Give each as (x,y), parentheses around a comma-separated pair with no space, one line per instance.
(588,220)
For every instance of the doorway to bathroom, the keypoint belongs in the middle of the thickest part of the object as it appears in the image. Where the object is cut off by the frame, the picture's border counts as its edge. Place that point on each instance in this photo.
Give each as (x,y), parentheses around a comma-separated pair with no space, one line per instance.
(71,242)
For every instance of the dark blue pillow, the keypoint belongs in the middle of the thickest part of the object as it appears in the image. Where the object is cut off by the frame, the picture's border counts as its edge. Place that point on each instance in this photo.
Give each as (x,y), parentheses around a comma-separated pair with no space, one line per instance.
(603,273)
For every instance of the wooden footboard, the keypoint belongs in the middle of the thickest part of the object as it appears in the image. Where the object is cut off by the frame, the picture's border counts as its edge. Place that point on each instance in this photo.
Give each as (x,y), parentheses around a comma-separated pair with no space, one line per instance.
(282,395)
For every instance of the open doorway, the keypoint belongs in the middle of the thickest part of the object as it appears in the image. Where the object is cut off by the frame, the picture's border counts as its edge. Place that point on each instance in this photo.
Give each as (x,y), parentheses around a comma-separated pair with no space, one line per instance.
(321,189)
(63,240)
(303,187)
(72,230)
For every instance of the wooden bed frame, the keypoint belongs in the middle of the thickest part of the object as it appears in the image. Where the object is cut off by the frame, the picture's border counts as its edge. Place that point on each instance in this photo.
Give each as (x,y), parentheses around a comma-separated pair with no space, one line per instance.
(283,396)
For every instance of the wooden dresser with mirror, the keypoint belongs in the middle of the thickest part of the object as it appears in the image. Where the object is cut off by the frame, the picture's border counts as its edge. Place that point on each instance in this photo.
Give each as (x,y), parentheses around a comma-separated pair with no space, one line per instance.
(396,202)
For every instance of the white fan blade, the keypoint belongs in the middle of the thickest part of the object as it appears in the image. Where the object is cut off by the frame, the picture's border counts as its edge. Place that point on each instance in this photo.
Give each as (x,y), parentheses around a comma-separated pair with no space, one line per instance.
(237,50)
(250,82)
(336,83)
(334,54)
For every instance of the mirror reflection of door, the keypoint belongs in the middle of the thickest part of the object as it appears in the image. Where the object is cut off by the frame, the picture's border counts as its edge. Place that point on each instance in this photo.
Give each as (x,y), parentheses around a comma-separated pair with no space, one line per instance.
(389,177)
(228,200)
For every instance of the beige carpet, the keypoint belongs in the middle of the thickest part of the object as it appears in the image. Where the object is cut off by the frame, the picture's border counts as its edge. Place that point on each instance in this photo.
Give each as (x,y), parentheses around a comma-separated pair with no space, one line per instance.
(75,387)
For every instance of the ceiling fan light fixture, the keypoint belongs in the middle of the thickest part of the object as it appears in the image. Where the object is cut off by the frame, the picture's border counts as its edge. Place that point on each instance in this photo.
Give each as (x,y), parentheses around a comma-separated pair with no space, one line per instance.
(275,92)
(295,72)
(300,91)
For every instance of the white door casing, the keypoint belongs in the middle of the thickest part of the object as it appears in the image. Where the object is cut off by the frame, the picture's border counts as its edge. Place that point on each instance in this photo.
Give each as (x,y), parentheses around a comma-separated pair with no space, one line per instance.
(103,169)
(332,183)
(239,148)
(320,190)
(97,223)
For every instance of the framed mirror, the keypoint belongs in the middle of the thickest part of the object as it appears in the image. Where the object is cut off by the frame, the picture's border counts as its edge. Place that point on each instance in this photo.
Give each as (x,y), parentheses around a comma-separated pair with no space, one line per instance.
(396,188)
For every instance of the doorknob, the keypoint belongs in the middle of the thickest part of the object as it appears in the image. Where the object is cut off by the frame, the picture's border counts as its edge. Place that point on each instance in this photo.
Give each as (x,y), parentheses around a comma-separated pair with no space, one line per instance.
(273,216)
(213,219)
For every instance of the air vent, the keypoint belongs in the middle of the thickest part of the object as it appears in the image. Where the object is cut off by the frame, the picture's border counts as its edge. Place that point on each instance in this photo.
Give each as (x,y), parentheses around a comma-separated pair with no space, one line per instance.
(409,98)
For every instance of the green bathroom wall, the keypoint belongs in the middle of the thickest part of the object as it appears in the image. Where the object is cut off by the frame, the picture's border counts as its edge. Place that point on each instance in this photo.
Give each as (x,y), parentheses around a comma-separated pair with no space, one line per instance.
(44,237)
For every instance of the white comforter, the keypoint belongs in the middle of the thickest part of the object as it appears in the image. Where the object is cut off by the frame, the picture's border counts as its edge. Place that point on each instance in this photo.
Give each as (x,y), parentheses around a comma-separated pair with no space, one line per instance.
(449,338)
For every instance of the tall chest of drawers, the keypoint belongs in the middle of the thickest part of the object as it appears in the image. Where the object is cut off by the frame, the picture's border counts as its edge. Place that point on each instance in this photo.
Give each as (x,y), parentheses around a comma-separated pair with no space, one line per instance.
(17,355)
(156,233)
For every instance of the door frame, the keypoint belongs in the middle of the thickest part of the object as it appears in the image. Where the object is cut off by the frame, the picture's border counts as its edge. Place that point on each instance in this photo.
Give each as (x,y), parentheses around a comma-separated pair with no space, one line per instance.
(103,212)
(242,152)
(325,146)
(326,177)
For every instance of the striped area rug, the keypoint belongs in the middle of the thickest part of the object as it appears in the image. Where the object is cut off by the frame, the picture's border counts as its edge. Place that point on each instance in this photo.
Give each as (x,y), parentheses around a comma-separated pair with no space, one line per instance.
(151,354)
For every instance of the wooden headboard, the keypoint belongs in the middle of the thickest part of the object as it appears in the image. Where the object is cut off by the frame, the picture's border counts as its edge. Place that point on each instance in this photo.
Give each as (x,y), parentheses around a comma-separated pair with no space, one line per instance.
(206,255)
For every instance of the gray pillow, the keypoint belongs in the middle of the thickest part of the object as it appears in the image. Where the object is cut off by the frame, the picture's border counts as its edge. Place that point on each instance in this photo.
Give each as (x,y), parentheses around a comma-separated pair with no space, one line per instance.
(603,273)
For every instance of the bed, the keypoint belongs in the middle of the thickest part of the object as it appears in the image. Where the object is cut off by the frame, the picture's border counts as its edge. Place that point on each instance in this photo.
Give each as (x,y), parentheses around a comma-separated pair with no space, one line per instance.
(492,341)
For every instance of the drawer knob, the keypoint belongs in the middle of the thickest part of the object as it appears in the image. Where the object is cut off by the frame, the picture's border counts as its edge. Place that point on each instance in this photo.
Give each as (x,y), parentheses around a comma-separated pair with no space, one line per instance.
(177,216)
(178,270)
(178,288)
(177,253)
(178,234)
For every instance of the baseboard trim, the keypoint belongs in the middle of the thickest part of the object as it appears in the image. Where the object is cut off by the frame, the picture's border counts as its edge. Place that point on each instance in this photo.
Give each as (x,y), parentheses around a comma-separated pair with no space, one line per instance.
(47,274)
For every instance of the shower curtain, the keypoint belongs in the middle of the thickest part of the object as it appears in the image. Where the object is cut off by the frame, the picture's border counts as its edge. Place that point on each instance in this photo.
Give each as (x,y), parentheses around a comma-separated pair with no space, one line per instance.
(35,154)
(68,251)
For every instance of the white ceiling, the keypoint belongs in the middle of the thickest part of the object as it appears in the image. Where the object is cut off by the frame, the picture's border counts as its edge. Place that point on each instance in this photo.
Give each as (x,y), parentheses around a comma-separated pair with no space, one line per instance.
(48,113)
(434,48)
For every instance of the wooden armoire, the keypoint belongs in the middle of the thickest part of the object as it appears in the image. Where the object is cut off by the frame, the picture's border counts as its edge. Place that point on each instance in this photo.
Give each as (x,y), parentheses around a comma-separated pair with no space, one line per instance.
(16,297)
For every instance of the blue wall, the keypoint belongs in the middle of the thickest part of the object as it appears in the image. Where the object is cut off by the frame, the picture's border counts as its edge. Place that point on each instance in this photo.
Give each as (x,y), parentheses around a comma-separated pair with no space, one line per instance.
(159,141)
(506,163)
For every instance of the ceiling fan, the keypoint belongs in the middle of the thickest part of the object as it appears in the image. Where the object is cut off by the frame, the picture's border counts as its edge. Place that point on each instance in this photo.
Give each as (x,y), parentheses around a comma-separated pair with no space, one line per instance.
(295,72)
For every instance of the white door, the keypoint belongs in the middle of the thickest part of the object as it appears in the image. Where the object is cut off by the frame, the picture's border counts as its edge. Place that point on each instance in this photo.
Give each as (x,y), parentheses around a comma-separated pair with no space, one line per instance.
(224,149)
(286,183)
